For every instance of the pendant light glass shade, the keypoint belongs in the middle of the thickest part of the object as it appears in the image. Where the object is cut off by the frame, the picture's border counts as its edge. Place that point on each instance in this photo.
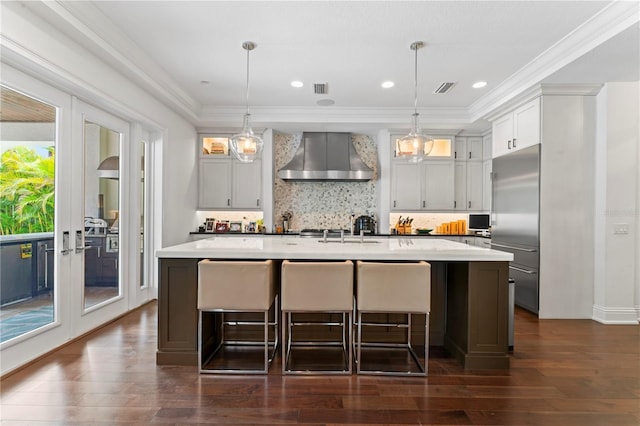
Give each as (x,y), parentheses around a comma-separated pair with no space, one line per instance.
(246,146)
(416,145)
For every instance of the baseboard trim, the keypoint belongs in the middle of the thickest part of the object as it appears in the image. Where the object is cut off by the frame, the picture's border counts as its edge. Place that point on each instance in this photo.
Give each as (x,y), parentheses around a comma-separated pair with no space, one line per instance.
(605,315)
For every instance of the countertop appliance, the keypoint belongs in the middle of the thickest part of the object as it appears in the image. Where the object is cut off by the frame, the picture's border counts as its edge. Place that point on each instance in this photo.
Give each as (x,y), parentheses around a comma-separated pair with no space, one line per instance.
(515,220)
(366,224)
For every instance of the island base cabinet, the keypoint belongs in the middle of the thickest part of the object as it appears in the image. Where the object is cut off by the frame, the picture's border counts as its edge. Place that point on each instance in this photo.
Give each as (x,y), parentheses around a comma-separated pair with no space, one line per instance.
(469,315)
(477,314)
(177,312)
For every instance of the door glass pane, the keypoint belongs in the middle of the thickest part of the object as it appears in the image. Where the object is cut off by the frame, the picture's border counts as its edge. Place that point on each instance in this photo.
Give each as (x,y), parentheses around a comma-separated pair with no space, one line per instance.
(101,212)
(27,194)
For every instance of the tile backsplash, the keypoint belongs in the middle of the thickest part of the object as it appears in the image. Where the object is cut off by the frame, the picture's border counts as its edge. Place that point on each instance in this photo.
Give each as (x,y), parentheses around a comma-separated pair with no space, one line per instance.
(323,204)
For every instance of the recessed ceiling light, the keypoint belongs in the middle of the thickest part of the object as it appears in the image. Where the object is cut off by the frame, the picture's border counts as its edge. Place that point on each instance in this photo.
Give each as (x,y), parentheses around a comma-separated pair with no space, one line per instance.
(297,83)
(388,84)
(479,84)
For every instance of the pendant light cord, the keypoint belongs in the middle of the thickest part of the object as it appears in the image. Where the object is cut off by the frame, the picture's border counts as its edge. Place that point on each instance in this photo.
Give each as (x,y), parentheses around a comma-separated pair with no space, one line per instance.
(415,94)
(248,50)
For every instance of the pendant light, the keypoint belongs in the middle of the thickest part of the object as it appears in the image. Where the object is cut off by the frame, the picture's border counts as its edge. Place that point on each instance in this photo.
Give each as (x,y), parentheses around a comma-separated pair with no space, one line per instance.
(415,146)
(246,146)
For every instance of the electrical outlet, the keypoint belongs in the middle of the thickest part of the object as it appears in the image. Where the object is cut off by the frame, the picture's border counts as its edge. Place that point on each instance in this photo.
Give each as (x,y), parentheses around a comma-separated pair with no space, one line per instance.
(620,228)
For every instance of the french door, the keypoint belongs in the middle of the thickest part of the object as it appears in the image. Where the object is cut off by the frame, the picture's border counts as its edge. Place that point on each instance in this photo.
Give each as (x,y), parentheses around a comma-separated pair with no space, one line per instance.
(95,249)
(99,215)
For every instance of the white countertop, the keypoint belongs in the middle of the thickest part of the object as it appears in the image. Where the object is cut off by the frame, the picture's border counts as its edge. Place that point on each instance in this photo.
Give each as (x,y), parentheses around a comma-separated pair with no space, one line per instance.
(297,248)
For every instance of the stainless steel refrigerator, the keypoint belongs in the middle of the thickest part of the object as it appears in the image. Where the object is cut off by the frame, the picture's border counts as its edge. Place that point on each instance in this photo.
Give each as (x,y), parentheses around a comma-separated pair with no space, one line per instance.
(515,219)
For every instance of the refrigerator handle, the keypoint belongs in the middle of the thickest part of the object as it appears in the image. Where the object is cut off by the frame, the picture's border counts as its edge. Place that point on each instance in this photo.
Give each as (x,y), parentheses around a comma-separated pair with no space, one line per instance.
(526,271)
(514,248)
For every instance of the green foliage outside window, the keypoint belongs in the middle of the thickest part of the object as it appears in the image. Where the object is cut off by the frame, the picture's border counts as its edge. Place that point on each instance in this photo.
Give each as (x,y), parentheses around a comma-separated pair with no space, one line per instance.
(26,191)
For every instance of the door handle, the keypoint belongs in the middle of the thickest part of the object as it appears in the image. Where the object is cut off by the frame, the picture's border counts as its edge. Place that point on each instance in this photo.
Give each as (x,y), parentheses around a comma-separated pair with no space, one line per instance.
(509,144)
(513,248)
(79,243)
(526,271)
(514,142)
(469,204)
(258,202)
(65,243)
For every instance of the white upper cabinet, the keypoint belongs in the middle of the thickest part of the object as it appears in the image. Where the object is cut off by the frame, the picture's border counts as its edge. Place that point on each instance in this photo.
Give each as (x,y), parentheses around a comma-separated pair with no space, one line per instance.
(423,186)
(487,183)
(469,186)
(247,185)
(474,186)
(518,129)
(224,182)
(214,184)
(438,185)
(474,148)
(526,125)
(406,186)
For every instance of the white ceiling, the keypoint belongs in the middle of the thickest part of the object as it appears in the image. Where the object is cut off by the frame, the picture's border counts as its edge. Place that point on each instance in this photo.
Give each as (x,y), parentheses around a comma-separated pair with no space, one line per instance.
(353,46)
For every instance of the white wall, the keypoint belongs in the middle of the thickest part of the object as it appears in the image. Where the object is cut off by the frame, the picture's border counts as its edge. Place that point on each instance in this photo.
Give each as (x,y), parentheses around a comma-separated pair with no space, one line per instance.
(566,206)
(33,45)
(617,196)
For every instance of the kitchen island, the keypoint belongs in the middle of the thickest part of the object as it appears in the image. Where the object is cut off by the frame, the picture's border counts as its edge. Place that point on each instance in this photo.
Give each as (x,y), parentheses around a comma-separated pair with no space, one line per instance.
(469,288)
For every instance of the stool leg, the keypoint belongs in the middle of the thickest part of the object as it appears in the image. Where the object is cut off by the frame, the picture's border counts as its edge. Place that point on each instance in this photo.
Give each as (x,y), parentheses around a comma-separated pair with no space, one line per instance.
(426,344)
(359,348)
(350,340)
(266,341)
(276,333)
(284,329)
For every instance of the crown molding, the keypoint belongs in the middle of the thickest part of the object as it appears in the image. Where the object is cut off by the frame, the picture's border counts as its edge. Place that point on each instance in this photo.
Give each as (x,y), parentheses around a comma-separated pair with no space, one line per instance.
(610,21)
(544,90)
(225,116)
(94,28)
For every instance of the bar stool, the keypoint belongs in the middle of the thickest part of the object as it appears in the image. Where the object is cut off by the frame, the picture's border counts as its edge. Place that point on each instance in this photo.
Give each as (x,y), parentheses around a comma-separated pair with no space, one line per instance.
(316,287)
(226,287)
(393,288)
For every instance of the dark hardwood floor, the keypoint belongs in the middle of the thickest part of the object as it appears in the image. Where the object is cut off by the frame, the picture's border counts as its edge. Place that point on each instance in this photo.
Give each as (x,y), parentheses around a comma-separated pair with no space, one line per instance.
(563,372)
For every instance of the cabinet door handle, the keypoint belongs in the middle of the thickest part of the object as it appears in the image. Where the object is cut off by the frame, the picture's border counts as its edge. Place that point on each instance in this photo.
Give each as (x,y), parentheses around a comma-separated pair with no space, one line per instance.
(455,154)
(258,202)
(469,204)
(228,201)
(424,203)
(394,203)
(469,155)
(509,144)
(514,142)
(454,204)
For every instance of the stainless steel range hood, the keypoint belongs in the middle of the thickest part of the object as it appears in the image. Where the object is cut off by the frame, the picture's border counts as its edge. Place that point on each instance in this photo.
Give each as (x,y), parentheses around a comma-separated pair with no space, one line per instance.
(326,157)
(109,168)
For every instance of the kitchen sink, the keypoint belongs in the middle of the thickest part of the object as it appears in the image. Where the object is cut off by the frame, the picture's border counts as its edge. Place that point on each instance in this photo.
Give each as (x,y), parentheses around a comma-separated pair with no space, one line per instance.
(346,241)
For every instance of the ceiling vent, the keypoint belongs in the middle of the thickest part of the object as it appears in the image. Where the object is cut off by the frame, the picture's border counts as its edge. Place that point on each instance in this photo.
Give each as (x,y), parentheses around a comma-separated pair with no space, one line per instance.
(444,87)
(321,88)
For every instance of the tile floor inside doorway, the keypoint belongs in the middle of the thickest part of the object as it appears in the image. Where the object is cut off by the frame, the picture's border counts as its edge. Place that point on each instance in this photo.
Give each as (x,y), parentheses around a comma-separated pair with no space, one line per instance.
(27,315)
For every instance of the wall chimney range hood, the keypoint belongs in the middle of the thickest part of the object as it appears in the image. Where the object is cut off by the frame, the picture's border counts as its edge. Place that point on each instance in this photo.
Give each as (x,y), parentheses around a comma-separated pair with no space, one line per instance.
(326,157)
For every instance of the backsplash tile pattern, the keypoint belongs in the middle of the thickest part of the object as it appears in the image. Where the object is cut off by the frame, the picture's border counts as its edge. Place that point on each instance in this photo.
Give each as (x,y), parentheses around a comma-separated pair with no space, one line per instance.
(323,204)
